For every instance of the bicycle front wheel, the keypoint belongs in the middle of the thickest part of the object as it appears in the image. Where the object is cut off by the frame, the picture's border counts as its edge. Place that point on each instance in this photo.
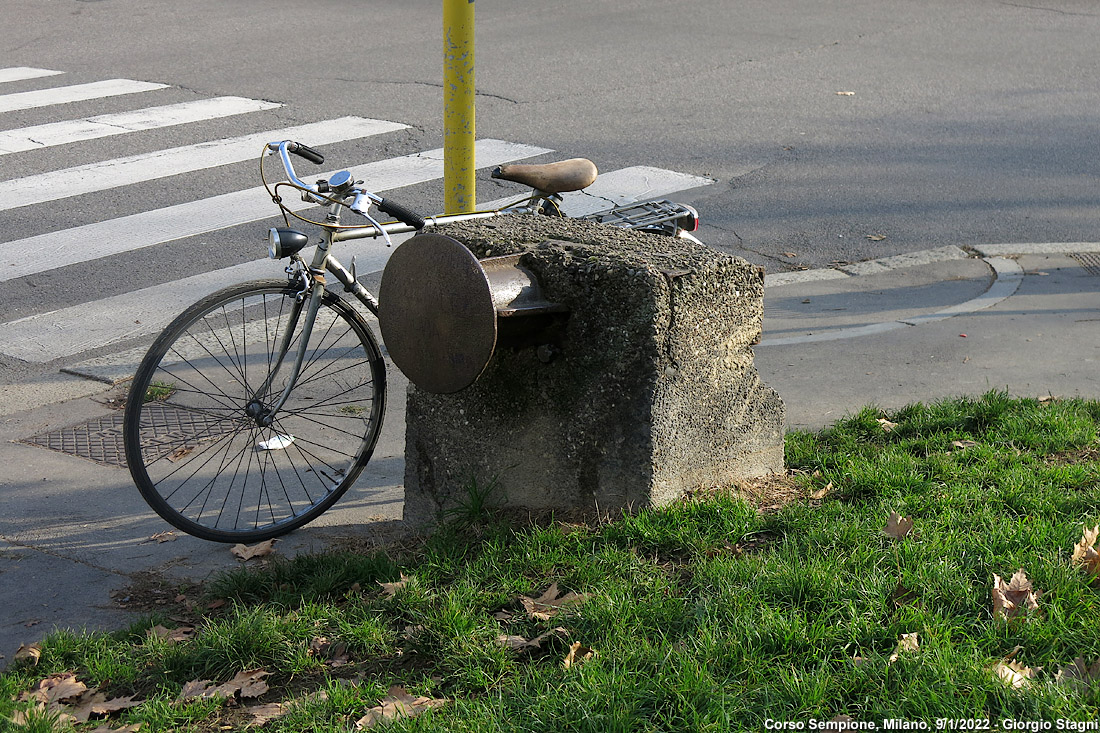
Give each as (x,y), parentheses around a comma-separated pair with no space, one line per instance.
(194,445)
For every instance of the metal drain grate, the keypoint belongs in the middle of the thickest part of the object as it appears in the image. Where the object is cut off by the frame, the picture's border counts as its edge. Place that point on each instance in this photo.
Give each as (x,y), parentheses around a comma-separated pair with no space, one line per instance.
(166,429)
(98,440)
(1090,261)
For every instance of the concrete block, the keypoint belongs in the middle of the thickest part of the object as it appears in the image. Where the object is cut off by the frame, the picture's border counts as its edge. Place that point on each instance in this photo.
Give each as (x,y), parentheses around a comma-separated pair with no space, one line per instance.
(649,391)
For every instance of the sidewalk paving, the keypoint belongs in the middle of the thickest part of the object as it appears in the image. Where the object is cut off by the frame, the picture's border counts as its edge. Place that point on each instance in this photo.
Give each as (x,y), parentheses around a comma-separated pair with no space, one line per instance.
(888,333)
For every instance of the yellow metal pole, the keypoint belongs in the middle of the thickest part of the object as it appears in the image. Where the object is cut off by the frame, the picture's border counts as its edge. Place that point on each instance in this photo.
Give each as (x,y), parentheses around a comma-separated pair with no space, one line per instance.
(458,106)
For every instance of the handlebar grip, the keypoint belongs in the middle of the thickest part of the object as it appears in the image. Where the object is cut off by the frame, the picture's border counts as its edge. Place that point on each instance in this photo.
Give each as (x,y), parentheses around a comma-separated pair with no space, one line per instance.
(306,152)
(391,207)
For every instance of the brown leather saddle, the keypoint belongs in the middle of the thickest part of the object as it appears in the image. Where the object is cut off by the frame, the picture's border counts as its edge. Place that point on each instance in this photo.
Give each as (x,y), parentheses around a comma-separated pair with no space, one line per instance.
(559,177)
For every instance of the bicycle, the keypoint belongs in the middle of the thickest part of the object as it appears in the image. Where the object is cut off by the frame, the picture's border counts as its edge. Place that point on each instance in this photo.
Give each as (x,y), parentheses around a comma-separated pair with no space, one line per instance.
(258,407)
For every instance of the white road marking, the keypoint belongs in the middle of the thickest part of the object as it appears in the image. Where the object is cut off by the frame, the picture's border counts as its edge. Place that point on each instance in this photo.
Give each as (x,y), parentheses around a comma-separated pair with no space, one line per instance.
(90,128)
(76,93)
(67,331)
(92,241)
(1009,275)
(117,172)
(22,73)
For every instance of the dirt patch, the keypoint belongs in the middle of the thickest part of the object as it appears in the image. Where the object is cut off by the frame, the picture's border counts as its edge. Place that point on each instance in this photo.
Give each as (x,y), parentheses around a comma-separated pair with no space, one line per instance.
(151,592)
(1074,457)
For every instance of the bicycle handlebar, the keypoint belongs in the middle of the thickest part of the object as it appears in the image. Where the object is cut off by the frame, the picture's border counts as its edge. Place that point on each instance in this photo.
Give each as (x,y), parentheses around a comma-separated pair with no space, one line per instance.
(305,151)
(386,206)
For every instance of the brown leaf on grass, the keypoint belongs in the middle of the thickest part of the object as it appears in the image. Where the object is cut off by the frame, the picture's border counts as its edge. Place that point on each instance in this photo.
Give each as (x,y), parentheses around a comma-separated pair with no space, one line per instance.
(261,714)
(54,689)
(822,492)
(390,589)
(245,684)
(132,728)
(28,653)
(1014,674)
(520,644)
(248,684)
(1085,554)
(195,689)
(1079,674)
(577,653)
(887,426)
(94,702)
(172,636)
(334,654)
(1015,598)
(907,643)
(858,662)
(897,526)
(550,603)
(248,552)
(963,444)
(396,705)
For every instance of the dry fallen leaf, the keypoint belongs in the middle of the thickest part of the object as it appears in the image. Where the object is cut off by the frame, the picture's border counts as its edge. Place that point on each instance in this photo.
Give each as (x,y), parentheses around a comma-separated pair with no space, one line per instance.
(246,684)
(390,589)
(897,526)
(1079,674)
(28,653)
(1014,674)
(887,426)
(261,714)
(1015,598)
(858,662)
(172,636)
(963,443)
(520,644)
(907,643)
(846,94)
(876,237)
(550,603)
(247,552)
(577,653)
(55,688)
(820,493)
(397,704)
(1084,552)
(334,654)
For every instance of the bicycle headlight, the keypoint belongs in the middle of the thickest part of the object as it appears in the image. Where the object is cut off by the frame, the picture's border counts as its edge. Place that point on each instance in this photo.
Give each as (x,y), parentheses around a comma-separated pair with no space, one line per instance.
(283,242)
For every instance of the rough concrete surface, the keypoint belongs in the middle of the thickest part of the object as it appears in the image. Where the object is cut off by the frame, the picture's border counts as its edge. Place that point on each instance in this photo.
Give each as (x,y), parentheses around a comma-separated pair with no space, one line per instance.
(651,390)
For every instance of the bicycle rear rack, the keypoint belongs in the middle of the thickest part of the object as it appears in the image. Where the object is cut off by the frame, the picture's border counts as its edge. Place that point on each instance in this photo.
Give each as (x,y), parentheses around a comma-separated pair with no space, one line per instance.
(660,216)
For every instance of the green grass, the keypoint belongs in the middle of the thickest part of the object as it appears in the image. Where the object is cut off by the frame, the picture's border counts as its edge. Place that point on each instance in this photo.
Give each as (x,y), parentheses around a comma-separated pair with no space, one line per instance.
(707,615)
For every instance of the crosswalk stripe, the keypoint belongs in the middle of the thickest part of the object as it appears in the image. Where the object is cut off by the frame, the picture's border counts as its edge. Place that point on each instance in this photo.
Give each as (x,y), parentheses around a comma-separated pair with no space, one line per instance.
(22,73)
(75,93)
(164,163)
(90,128)
(67,331)
(92,241)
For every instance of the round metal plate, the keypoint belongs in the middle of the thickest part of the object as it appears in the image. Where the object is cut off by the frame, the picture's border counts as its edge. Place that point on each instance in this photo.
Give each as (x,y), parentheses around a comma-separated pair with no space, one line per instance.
(436,313)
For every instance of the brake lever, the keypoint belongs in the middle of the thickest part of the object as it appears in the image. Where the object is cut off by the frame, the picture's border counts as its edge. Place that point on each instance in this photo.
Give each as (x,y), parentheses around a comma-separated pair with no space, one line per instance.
(358,207)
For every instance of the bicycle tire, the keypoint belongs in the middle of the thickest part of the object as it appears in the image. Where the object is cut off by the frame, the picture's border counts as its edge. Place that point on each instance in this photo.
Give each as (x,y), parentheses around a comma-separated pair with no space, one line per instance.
(197,456)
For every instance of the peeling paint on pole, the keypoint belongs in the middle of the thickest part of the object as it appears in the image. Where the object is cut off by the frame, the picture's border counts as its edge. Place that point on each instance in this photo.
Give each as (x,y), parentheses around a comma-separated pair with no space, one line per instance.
(458,106)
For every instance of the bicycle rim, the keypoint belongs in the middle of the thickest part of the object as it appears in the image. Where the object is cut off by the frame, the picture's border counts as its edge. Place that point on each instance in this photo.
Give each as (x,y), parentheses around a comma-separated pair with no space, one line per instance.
(196,451)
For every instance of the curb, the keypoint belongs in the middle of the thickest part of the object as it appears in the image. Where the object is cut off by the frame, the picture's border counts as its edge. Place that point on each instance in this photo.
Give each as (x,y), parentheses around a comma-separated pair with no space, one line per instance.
(926,257)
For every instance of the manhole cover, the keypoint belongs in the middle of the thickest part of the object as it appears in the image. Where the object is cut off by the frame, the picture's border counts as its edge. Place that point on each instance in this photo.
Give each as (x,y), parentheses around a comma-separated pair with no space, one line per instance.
(1090,261)
(166,429)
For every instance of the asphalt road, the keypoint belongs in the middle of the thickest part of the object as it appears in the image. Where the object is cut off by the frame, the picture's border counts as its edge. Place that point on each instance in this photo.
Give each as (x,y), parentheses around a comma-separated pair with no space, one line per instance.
(836,131)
